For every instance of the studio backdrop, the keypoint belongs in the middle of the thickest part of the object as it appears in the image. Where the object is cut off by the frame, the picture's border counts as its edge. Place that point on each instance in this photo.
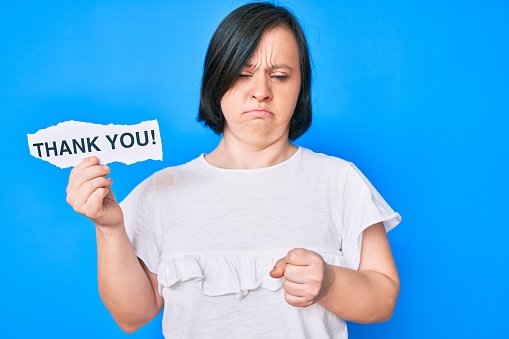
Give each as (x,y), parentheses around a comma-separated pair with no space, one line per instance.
(414,93)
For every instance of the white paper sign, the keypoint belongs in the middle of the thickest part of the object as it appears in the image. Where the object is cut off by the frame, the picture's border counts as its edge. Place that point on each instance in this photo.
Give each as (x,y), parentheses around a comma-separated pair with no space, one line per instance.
(69,142)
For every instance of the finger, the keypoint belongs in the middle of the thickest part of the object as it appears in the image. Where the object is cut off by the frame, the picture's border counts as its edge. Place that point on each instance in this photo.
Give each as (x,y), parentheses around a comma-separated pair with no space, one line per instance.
(302,257)
(91,185)
(86,162)
(94,207)
(279,268)
(297,301)
(294,289)
(85,174)
(79,199)
(303,274)
(307,291)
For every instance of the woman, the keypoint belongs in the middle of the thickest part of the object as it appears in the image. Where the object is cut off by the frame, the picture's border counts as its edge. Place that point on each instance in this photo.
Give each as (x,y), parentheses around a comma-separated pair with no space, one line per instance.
(259,238)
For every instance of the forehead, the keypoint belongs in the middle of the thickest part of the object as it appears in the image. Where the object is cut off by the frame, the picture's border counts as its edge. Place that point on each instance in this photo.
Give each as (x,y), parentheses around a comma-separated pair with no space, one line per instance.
(277,45)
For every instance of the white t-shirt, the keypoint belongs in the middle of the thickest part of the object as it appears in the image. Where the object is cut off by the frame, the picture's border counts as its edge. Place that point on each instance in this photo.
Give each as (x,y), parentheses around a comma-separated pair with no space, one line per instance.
(212,236)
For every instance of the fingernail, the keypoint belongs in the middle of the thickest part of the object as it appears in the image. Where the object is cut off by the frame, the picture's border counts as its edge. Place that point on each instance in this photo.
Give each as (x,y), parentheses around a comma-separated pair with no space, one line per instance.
(105,168)
(90,159)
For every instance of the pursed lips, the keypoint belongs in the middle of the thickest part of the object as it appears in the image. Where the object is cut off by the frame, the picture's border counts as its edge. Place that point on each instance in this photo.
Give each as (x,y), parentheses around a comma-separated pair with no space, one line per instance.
(259,113)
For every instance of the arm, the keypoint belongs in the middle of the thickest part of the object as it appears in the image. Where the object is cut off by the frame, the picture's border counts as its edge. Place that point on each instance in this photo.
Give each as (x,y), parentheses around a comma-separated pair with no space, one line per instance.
(367,295)
(127,288)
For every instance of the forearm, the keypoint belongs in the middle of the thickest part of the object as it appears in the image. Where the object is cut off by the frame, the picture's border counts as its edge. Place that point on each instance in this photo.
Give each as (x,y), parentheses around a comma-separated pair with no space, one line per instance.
(360,296)
(123,283)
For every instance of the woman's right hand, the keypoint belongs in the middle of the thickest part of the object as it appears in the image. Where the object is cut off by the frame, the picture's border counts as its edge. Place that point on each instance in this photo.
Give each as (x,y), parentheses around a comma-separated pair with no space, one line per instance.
(89,193)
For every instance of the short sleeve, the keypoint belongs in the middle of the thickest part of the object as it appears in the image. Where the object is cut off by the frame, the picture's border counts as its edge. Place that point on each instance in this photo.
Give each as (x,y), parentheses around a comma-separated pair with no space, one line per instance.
(140,219)
(363,206)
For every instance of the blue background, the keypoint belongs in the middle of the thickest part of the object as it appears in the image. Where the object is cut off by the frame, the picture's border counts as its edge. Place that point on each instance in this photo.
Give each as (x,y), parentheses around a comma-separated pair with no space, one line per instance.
(414,93)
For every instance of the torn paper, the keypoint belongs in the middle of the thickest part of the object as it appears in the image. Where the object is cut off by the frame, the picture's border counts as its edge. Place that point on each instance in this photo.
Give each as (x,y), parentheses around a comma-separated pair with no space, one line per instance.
(69,142)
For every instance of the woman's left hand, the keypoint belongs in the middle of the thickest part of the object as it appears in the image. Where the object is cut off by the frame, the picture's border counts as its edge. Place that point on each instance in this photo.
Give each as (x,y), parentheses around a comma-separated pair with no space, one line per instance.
(307,276)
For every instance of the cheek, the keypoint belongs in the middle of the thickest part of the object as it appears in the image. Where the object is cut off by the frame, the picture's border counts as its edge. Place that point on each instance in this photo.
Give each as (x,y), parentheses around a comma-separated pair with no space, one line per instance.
(225,102)
(231,101)
(293,88)
(292,96)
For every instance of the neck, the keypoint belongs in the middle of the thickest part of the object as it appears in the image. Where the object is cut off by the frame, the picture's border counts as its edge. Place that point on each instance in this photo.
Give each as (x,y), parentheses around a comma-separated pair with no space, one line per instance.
(233,155)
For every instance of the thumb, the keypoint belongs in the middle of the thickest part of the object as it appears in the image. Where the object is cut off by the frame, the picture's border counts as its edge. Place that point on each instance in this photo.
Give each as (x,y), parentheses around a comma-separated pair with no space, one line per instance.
(279,268)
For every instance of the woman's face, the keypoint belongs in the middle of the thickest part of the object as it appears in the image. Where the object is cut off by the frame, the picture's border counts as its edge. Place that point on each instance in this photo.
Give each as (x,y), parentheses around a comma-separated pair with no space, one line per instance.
(260,104)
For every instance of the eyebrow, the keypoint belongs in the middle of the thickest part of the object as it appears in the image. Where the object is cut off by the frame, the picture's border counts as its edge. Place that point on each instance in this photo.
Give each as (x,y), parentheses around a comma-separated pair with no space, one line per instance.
(249,65)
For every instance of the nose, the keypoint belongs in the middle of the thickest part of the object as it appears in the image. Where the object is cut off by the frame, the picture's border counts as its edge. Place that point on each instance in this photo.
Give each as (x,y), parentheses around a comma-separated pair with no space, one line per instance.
(262,88)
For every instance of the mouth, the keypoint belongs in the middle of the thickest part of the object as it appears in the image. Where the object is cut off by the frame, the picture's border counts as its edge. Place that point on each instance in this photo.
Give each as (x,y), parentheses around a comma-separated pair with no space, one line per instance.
(259,113)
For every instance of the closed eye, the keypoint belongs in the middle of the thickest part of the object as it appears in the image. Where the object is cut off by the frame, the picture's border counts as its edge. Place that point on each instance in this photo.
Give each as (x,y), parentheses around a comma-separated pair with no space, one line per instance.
(280,77)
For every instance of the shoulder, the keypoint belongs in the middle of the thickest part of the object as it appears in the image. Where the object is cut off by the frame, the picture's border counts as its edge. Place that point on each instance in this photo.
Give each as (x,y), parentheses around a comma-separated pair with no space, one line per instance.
(168,176)
(173,174)
(324,161)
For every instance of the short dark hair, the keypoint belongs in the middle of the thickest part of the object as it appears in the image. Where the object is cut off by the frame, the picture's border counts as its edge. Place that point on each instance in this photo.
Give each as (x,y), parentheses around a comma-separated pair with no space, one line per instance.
(230,48)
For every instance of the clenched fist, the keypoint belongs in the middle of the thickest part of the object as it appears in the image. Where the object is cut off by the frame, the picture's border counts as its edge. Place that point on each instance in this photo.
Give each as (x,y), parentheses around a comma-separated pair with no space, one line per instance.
(307,276)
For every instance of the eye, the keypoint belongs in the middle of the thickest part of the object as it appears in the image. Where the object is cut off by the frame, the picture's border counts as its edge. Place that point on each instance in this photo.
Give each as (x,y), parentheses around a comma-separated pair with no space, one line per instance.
(280,77)
(244,75)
